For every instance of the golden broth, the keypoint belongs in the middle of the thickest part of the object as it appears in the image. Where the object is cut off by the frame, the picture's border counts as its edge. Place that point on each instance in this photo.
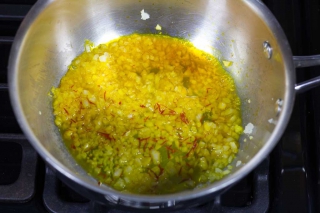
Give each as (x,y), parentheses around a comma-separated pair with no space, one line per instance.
(149,114)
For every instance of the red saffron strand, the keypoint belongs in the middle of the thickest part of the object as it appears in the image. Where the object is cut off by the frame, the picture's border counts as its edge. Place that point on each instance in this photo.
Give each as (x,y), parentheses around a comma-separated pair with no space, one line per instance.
(106,135)
(90,102)
(193,147)
(66,111)
(183,118)
(180,170)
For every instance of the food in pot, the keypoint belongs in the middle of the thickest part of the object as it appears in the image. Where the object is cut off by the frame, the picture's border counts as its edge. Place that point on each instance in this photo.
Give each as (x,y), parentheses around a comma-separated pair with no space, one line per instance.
(149,114)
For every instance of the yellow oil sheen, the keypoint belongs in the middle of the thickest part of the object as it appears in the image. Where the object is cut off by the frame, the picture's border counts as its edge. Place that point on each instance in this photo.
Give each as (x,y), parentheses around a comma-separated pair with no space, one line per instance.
(149,114)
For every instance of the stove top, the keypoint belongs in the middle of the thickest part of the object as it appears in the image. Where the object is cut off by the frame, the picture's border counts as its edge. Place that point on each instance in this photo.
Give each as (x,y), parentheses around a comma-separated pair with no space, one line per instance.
(286,181)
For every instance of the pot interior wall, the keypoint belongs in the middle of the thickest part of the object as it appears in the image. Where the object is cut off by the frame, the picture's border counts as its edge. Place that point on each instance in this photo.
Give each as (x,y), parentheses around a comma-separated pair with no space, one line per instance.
(230,30)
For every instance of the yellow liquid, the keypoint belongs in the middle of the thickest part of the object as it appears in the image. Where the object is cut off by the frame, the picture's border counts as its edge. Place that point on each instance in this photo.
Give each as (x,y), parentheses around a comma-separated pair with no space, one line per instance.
(149,114)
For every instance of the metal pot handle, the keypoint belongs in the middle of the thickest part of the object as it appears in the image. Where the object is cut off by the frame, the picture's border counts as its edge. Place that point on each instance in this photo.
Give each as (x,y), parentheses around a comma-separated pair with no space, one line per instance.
(307,61)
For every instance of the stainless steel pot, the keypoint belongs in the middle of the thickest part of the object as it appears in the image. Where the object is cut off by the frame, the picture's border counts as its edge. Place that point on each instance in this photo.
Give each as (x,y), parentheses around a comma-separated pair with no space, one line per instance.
(244,32)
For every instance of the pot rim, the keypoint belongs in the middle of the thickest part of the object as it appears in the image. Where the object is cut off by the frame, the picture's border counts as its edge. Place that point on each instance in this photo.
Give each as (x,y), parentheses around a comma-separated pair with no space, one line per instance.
(261,10)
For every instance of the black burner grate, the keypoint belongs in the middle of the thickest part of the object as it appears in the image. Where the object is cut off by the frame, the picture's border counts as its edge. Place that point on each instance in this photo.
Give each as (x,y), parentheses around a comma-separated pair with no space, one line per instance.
(19,163)
(249,195)
(10,165)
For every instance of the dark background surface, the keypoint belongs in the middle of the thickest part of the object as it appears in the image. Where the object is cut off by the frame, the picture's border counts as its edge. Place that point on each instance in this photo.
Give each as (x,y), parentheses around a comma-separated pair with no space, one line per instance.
(287,181)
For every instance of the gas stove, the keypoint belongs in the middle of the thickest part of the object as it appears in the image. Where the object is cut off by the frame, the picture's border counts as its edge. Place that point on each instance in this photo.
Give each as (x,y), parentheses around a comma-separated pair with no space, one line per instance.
(286,181)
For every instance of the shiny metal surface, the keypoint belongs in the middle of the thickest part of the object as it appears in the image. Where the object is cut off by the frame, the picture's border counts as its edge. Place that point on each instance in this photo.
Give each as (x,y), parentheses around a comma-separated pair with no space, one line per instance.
(267,49)
(306,85)
(307,61)
(53,33)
